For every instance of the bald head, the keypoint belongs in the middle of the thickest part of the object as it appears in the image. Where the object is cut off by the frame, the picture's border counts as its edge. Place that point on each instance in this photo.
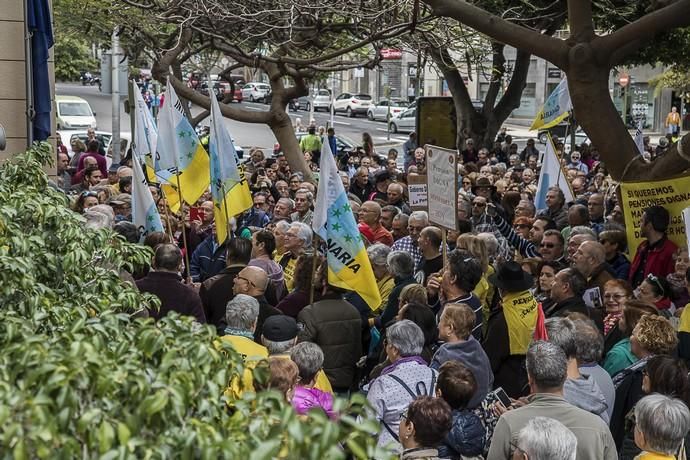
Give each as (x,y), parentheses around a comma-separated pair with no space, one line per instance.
(168,258)
(252,281)
(124,171)
(369,212)
(90,161)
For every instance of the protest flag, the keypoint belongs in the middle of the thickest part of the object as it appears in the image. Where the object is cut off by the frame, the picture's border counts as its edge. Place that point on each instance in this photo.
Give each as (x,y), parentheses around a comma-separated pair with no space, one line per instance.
(182,161)
(348,263)
(556,108)
(231,195)
(551,175)
(144,211)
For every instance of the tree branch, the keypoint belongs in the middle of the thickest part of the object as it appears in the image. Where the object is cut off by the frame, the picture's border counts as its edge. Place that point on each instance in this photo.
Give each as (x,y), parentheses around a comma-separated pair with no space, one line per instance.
(629,38)
(511,98)
(580,20)
(497,72)
(549,48)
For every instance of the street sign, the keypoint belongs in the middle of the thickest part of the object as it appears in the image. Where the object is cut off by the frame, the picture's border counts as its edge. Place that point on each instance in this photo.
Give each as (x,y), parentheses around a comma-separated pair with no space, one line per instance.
(391,53)
(623,80)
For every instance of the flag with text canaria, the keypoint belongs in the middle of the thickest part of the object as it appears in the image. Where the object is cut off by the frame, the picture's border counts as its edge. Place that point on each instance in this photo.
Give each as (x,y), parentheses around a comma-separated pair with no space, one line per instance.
(231,195)
(181,156)
(348,263)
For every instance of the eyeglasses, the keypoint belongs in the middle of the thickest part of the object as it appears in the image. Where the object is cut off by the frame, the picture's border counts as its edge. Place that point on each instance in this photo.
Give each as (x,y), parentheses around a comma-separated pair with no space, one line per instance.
(615,296)
(653,279)
(404,416)
(547,245)
(245,279)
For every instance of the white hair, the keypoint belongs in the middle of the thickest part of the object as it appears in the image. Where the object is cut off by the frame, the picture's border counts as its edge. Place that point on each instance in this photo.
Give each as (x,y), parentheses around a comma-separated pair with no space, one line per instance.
(303,232)
(544,438)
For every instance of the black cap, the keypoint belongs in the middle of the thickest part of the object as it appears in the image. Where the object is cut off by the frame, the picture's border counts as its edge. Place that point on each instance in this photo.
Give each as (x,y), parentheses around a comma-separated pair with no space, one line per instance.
(279,328)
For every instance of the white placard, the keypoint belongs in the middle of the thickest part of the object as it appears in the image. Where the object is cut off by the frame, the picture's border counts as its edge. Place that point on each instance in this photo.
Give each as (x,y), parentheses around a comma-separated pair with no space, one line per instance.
(416,190)
(442,186)
(686,218)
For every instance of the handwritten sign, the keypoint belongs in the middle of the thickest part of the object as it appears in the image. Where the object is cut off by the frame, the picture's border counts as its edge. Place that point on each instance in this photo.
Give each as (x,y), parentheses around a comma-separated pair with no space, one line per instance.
(416,190)
(442,186)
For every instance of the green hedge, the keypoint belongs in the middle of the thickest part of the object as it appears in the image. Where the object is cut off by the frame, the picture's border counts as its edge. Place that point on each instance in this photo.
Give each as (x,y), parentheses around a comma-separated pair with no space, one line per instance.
(81,377)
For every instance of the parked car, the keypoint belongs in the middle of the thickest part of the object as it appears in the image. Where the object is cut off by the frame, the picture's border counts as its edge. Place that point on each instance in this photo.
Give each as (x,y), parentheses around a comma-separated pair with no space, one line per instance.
(221,88)
(380,110)
(255,91)
(74,113)
(303,103)
(404,122)
(322,100)
(559,130)
(580,138)
(352,104)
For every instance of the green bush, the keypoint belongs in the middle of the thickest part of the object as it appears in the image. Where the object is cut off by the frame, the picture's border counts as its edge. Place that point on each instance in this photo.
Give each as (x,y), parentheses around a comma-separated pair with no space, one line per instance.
(80,376)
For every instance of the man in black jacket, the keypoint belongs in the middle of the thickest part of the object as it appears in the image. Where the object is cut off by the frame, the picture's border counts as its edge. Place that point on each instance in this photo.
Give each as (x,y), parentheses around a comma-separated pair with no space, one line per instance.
(566,291)
(216,291)
(164,282)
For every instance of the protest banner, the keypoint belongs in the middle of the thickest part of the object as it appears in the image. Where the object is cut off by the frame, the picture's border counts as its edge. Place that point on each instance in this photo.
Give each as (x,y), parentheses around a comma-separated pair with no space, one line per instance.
(686,218)
(672,194)
(442,186)
(416,191)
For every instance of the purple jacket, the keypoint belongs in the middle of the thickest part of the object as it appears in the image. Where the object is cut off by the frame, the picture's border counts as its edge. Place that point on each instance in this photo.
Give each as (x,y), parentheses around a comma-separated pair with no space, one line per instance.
(308,398)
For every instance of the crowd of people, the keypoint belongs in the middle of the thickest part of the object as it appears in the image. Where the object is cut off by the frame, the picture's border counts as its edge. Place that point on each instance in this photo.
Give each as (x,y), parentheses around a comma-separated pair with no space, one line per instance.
(532,335)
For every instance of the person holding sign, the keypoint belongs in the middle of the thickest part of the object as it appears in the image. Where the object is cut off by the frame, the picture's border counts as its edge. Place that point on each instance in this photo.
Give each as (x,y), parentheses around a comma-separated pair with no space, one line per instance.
(655,254)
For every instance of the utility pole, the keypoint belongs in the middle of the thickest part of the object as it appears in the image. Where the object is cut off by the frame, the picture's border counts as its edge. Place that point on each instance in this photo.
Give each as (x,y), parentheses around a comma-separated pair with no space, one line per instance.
(115,91)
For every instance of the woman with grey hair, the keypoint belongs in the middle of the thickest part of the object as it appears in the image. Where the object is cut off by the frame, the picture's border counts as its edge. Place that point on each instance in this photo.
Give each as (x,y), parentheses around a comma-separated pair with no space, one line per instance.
(404,380)
(309,359)
(544,438)
(661,425)
(401,268)
(378,256)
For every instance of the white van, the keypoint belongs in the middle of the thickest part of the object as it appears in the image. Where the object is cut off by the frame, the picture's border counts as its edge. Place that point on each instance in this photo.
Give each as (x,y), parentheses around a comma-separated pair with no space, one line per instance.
(74,113)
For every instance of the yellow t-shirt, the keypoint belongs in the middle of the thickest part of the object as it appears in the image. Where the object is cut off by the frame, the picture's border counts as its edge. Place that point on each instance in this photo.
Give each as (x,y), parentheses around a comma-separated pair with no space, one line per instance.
(385,286)
(289,274)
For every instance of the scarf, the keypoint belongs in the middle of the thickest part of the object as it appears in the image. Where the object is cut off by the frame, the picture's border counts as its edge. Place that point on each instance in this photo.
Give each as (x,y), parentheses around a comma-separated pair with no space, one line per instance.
(611,320)
(521,311)
(238,332)
(407,359)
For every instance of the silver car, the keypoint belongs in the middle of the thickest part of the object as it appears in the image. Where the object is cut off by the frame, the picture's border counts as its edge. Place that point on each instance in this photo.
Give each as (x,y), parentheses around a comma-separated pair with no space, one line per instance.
(404,122)
(386,108)
(322,100)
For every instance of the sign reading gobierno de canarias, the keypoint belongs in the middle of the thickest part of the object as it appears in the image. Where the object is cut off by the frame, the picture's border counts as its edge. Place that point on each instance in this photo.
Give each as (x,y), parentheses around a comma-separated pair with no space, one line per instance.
(672,194)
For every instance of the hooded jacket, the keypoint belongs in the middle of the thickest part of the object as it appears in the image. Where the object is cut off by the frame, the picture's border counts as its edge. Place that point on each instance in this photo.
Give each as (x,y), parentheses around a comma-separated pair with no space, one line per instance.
(471,354)
(586,394)
(466,436)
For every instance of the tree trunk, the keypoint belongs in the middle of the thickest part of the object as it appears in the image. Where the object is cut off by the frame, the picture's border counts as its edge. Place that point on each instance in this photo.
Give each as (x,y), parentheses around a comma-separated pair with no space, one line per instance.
(284,132)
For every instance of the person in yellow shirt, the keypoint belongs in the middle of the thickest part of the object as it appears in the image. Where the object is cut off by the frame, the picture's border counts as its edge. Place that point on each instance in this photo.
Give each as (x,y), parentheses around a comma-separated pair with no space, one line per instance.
(279,335)
(241,314)
(661,423)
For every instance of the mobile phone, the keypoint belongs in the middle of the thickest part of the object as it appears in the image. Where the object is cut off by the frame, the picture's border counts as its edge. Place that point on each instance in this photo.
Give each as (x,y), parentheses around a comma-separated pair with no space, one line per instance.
(196,213)
(261,171)
(502,396)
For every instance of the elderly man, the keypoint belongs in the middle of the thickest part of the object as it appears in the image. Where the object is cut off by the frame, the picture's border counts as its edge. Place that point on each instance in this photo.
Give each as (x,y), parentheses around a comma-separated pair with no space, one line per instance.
(399,226)
(297,239)
(241,315)
(545,437)
(361,187)
(370,213)
(525,208)
(662,423)
(216,291)
(164,282)
(283,188)
(578,215)
(253,282)
(556,210)
(395,197)
(578,235)
(547,368)
(304,199)
(388,213)
(566,292)
(417,221)
(283,209)
(590,261)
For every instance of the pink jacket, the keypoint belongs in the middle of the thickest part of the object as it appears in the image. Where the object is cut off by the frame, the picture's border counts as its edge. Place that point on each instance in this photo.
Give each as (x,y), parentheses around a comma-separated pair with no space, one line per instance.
(308,398)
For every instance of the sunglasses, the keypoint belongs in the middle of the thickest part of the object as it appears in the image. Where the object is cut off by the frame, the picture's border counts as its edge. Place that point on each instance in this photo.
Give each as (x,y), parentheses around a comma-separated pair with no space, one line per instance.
(547,245)
(653,279)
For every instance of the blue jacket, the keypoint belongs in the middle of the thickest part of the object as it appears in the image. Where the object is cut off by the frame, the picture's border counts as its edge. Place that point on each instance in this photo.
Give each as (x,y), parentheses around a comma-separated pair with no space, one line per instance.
(620,266)
(207,260)
(465,438)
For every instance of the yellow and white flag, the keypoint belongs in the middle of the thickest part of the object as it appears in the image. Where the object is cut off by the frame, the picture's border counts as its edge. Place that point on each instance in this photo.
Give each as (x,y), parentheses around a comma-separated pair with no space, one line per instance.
(181,157)
(556,108)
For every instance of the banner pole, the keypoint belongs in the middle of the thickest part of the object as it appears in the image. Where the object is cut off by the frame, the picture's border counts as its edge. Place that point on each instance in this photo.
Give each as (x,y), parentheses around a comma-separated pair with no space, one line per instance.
(184,231)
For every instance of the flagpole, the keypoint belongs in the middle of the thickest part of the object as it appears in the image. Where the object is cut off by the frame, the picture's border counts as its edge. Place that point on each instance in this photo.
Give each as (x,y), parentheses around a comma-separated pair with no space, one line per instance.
(184,231)
(167,216)
(313,269)
(228,228)
(560,167)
